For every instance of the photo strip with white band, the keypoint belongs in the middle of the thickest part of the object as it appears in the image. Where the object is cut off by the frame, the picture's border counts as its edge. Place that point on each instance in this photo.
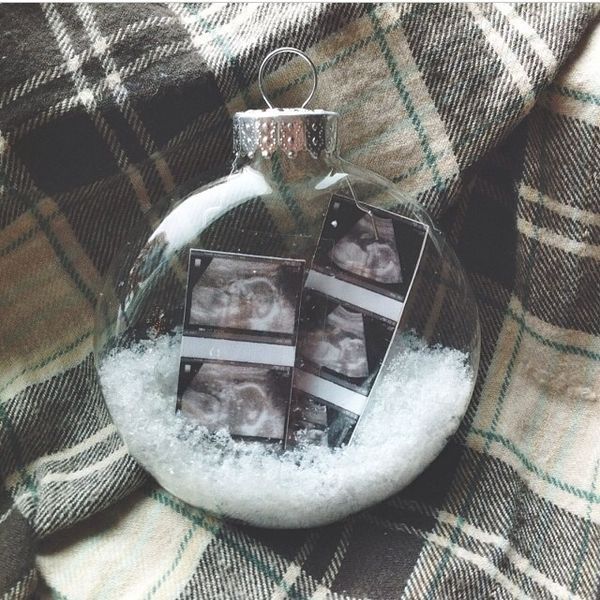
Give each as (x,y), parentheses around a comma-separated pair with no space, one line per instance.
(354,295)
(238,348)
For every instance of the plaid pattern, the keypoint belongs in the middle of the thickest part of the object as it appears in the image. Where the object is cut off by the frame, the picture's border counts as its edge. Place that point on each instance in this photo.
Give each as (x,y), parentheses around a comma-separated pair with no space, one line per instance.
(489,114)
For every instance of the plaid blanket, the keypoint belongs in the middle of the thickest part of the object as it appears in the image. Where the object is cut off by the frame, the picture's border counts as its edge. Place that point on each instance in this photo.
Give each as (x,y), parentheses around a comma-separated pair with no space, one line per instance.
(488,114)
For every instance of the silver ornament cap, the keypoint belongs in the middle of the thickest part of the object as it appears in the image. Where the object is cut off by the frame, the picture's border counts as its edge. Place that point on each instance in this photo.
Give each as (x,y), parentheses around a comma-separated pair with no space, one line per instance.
(289,130)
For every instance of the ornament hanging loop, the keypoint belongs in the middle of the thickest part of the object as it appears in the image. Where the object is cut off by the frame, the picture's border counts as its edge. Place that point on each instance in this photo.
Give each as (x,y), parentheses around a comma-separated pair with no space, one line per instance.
(284,50)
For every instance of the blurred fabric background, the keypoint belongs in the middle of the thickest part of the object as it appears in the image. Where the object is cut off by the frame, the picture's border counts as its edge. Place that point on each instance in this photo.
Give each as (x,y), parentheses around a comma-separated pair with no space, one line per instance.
(488,114)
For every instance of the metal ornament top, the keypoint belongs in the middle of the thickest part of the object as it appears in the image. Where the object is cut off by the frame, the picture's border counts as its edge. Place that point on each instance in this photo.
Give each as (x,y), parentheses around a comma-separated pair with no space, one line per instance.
(289,130)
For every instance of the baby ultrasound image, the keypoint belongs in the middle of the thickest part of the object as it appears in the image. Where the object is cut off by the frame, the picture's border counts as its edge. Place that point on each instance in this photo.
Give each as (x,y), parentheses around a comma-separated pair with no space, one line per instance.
(373,249)
(340,342)
(369,250)
(339,345)
(246,400)
(246,295)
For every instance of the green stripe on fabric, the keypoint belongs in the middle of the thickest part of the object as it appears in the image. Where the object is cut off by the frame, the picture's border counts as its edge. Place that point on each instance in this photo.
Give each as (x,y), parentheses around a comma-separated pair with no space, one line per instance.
(576,94)
(180,550)
(337,58)
(441,566)
(82,338)
(88,293)
(405,96)
(586,536)
(560,347)
(44,225)
(264,568)
(530,466)
(27,235)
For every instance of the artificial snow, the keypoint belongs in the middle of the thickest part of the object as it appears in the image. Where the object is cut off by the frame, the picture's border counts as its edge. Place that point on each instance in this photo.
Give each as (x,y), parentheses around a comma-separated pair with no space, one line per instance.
(417,404)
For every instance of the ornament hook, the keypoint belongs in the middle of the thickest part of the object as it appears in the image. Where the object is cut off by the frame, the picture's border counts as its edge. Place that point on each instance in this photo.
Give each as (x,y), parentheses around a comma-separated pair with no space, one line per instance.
(274,53)
(367,211)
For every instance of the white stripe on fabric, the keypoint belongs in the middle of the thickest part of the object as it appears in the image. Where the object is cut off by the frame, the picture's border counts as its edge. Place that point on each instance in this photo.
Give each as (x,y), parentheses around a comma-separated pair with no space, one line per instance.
(537,43)
(549,238)
(6,515)
(98,466)
(586,217)
(503,50)
(518,560)
(65,454)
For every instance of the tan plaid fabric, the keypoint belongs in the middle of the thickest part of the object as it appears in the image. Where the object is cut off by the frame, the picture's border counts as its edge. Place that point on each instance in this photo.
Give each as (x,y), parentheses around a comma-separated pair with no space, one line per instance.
(488,113)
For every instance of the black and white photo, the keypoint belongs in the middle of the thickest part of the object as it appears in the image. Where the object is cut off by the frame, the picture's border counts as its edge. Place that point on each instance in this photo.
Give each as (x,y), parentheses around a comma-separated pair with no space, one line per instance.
(243,297)
(367,257)
(238,348)
(341,343)
(247,400)
(361,275)
(313,422)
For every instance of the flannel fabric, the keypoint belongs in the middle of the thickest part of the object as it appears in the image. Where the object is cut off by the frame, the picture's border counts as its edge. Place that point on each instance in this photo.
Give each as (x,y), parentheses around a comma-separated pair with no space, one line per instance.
(488,114)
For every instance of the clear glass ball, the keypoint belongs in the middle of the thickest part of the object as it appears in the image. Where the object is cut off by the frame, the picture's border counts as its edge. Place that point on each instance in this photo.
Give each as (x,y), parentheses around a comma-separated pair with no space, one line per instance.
(275,207)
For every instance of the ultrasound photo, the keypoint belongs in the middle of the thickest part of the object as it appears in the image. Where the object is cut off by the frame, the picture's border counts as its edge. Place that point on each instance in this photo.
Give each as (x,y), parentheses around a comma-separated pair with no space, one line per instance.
(249,401)
(242,296)
(313,422)
(308,421)
(238,348)
(369,250)
(378,252)
(341,343)
(353,299)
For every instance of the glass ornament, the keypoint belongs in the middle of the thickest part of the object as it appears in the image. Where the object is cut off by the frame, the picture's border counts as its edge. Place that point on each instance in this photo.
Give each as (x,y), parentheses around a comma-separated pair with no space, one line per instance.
(275,204)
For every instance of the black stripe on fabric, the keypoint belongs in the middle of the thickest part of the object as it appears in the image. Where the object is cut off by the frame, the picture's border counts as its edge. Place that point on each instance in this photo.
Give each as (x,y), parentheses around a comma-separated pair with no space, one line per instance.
(520,44)
(549,22)
(101,450)
(562,153)
(65,153)
(62,503)
(11,207)
(17,554)
(386,564)
(51,415)
(103,217)
(502,503)
(573,303)
(459,72)
(285,543)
